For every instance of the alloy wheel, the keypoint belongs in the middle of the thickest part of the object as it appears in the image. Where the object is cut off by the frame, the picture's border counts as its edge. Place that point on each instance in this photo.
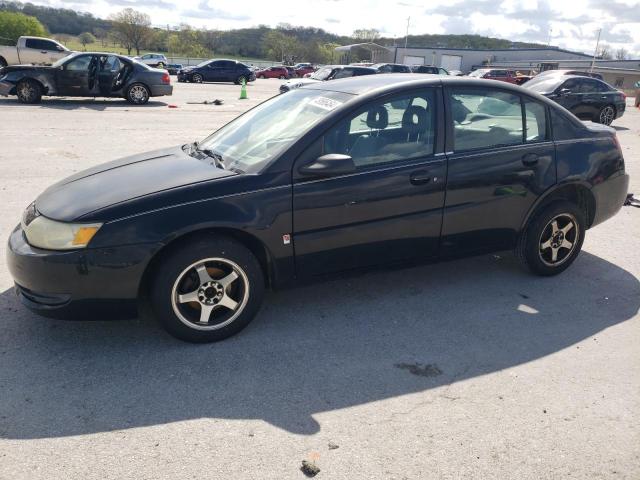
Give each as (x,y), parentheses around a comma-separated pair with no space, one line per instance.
(138,94)
(210,294)
(558,239)
(197,78)
(27,92)
(606,115)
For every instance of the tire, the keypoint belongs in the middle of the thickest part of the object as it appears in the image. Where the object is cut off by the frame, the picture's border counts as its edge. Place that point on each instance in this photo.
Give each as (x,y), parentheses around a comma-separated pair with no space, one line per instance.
(138,94)
(3,62)
(261,76)
(196,78)
(210,271)
(281,77)
(606,115)
(240,78)
(29,91)
(538,243)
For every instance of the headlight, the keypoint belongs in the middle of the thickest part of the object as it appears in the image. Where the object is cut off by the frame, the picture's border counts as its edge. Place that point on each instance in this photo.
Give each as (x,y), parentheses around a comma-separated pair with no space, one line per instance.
(43,232)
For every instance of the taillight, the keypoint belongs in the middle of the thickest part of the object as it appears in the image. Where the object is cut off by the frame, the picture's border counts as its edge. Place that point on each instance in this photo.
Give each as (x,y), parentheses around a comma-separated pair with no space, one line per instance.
(166,79)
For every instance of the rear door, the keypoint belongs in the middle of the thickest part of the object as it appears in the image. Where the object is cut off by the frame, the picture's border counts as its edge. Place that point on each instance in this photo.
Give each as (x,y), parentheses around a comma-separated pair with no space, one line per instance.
(594,97)
(214,71)
(501,160)
(109,68)
(390,209)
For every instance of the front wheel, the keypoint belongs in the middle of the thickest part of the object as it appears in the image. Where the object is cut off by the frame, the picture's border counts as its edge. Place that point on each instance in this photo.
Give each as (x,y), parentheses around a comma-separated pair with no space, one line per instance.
(29,91)
(197,78)
(3,63)
(138,94)
(207,290)
(553,239)
(606,115)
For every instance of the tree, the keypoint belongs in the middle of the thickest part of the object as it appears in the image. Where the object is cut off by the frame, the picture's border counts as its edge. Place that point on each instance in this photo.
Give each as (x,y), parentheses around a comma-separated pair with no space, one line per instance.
(86,38)
(604,52)
(368,34)
(132,28)
(622,54)
(14,25)
(280,46)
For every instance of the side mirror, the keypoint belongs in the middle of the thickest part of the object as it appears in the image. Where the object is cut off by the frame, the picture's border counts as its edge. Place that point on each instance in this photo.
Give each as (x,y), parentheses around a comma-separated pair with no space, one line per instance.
(329,165)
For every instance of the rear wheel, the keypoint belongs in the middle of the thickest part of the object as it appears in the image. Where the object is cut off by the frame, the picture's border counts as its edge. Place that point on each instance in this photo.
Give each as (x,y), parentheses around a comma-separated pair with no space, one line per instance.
(606,115)
(197,78)
(138,94)
(29,91)
(261,76)
(553,239)
(208,290)
(3,62)
(281,77)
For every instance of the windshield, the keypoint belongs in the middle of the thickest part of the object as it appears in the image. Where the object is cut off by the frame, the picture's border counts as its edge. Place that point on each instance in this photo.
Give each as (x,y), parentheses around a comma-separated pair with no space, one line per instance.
(546,84)
(478,73)
(252,140)
(202,64)
(63,60)
(321,74)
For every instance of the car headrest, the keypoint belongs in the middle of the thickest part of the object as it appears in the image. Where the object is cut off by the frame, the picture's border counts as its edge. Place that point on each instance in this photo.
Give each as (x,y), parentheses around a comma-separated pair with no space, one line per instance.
(414,119)
(378,118)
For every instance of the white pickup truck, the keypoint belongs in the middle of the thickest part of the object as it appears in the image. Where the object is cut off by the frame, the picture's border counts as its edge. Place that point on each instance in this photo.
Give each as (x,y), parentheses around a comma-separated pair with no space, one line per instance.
(36,50)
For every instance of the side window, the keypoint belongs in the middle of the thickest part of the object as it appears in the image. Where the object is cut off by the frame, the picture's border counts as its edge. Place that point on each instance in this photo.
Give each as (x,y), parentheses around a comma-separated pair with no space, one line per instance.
(47,45)
(31,43)
(535,121)
(442,71)
(587,86)
(79,64)
(572,85)
(215,64)
(111,64)
(386,131)
(343,73)
(485,119)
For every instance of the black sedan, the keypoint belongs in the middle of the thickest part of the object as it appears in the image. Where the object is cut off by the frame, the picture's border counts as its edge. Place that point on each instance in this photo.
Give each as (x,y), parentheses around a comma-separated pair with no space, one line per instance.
(326,73)
(344,175)
(587,98)
(217,71)
(86,75)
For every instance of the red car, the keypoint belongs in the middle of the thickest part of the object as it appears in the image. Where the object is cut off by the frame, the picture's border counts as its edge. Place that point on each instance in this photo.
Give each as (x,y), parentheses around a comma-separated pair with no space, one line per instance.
(303,70)
(509,76)
(273,72)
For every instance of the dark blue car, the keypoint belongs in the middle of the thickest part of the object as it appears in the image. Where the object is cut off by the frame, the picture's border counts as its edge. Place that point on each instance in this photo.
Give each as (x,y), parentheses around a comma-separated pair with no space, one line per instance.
(217,71)
(370,171)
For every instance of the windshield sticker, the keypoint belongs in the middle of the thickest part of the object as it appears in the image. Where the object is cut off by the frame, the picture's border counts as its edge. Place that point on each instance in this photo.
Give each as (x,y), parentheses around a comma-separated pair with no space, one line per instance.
(325,103)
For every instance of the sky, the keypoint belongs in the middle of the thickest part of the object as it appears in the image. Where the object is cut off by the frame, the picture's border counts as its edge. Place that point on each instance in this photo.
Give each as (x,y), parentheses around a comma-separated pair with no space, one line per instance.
(570,24)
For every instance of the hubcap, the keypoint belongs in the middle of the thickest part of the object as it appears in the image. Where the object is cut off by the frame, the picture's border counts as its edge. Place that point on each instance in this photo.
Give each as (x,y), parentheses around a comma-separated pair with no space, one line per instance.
(138,94)
(606,116)
(210,294)
(558,239)
(27,91)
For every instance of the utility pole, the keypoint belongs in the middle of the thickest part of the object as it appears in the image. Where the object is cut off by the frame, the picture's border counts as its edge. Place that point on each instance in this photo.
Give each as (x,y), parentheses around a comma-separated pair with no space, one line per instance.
(596,50)
(406,36)
(549,39)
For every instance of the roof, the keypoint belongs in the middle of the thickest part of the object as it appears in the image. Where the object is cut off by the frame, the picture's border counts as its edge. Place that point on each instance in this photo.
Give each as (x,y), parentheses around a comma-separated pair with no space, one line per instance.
(538,49)
(384,81)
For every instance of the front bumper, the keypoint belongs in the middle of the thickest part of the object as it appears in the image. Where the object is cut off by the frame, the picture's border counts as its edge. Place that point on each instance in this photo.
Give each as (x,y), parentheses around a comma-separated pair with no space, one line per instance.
(80,284)
(161,90)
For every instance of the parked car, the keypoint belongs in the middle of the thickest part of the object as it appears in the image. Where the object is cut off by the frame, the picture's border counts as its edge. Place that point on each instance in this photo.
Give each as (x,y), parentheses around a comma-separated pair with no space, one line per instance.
(429,69)
(637,100)
(502,75)
(273,72)
(587,98)
(569,72)
(86,75)
(391,68)
(350,174)
(456,73)
(34,50)
(305,69)
(328,72)
(156,60)
(291,71)
(217,71)
(174,68)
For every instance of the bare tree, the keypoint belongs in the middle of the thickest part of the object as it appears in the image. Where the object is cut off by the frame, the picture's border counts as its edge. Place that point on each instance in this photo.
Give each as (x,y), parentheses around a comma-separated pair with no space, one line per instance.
(368,34)
(622,54)
(604,52)
(132,28)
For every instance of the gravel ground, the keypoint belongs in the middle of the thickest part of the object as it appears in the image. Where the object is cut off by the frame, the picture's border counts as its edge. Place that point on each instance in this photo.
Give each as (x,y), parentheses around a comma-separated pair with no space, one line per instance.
(467,369)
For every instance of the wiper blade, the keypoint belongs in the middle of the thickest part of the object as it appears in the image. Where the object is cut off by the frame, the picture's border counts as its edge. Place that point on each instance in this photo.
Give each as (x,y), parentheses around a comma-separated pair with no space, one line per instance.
(219,162)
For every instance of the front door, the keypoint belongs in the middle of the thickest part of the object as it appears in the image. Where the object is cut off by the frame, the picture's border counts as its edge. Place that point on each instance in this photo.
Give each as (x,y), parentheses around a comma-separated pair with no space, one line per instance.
(390,209)
(75,77)
(501,160)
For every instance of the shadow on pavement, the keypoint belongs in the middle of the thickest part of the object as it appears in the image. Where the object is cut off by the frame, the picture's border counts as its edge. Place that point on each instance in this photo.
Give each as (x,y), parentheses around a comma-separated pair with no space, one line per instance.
(62,103)
(313,349)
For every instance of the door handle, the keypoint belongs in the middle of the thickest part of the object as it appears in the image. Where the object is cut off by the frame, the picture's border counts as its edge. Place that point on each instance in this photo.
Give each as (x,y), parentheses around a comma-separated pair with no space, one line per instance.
(420,178)
(530,159)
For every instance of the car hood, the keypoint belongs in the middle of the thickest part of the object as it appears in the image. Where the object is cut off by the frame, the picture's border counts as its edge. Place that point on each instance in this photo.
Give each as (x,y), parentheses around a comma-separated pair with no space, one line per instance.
(300,82)
(124,180)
